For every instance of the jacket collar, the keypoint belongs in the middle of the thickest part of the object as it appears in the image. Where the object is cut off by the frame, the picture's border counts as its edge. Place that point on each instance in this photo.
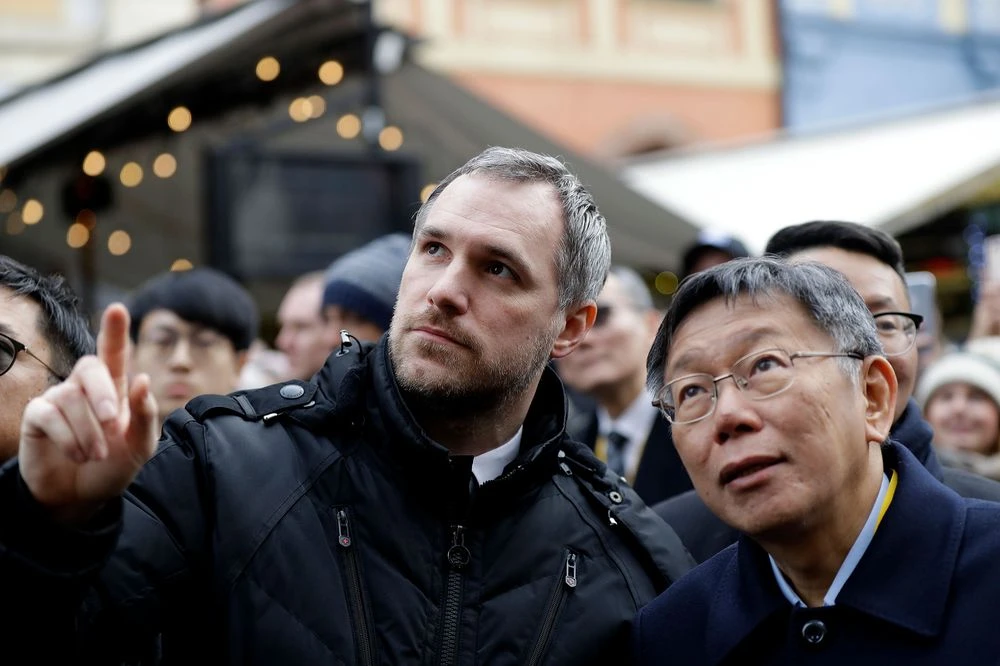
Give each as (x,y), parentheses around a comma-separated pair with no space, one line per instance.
(919,539)
(916,434)
(389,414)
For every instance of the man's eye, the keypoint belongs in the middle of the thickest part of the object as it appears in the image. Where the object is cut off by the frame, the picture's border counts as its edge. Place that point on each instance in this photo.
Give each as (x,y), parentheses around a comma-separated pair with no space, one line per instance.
(690,391)
(765,363)
(433,248)
(496,268)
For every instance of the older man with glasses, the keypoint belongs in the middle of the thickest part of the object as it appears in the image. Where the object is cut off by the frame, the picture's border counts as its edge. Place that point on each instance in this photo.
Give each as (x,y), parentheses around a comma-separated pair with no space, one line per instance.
(781,399)
(872,261)
(609,366)
(42,334)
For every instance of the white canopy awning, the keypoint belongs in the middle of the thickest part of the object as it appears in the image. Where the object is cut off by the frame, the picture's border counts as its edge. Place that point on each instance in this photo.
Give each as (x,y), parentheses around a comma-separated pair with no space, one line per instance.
(894,174)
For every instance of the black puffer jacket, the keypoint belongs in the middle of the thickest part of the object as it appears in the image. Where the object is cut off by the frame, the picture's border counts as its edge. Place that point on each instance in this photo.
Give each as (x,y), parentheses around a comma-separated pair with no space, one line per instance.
(321,526)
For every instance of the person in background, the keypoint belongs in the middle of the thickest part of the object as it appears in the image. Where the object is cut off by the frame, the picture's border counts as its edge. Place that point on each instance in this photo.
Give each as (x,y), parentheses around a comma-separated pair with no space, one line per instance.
(43,333)
(302,335)
(609,366)
(872,261)
(418,502)
(711,248)
(191,331)
(960,396)
(781,401)
(360,289)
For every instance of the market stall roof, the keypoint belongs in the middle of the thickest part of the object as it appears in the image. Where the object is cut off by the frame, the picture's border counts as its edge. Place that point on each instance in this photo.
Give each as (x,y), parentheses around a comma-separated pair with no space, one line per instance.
(209,66)
(894,173)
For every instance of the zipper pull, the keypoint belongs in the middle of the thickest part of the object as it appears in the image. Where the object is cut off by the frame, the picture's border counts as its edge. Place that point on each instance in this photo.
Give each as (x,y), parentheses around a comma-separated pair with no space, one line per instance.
(343,529)
(570,570)
(458,554)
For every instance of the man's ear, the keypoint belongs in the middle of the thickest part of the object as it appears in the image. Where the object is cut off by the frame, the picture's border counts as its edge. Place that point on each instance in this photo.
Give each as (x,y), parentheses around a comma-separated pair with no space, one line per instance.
(578,323)
(880,390)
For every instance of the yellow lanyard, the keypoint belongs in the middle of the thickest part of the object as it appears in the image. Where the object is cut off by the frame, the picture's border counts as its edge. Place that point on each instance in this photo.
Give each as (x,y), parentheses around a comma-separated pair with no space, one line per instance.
(888,498)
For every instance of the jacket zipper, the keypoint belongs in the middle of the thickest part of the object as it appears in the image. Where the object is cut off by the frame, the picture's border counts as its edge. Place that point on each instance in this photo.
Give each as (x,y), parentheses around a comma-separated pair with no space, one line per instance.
(554,608)
(362,634)
(458,558)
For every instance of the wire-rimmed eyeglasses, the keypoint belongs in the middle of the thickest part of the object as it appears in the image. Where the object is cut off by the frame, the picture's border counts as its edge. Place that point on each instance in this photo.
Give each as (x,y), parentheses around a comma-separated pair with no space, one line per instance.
(10,348)
(759,375)
(897,331)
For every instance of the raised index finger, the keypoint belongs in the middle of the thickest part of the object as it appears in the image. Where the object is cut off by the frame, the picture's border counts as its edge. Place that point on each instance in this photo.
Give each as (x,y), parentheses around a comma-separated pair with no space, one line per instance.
(112,345)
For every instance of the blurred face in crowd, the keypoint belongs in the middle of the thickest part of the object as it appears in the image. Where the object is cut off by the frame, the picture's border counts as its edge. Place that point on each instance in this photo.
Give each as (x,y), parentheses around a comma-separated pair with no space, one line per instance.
(478,311)
(613,354)
(883,291)
(302,333)
(964,418)
(337,319)
(793,461)
(28,377)
(184,359)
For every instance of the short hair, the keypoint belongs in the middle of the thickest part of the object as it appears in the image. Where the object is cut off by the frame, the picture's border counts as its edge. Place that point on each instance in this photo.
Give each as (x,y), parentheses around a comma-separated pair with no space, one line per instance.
(633,286)
(848,236)
(584,255)
(61,321)
(826,295)
(202,296)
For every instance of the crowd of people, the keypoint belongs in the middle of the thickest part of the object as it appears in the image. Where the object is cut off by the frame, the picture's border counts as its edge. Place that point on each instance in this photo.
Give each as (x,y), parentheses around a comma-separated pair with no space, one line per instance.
(483,443)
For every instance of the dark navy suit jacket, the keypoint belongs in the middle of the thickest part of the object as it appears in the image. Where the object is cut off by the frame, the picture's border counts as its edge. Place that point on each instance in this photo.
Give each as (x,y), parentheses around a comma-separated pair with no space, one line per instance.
(925,592)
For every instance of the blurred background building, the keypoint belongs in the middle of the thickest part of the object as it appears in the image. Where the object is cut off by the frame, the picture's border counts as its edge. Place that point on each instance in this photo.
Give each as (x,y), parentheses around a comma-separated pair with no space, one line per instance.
(268,137)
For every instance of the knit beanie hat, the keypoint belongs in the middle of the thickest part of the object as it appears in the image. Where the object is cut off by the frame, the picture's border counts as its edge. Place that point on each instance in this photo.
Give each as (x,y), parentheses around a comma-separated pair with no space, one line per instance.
(962,367)
(366,280)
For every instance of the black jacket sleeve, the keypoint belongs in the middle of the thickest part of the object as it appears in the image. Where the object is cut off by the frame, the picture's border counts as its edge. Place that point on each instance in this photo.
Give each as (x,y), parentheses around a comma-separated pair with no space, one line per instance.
(102,593)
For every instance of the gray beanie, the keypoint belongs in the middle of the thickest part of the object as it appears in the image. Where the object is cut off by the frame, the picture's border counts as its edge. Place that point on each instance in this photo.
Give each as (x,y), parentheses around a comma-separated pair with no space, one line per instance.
(366,280)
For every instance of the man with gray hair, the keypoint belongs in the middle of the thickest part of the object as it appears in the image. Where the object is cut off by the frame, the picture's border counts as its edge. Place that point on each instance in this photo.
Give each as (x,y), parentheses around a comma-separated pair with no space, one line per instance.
(418,502)
(781,400)
(609,366)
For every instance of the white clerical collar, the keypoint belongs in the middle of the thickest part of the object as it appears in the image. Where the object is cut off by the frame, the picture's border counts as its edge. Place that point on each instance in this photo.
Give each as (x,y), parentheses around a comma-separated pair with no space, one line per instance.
(488,466)
(850,562)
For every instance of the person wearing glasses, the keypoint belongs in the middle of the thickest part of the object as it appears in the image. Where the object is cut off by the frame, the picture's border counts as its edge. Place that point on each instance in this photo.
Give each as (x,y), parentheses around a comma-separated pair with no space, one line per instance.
(191,332)
(609,367)
(43,333)
(872,261)
(781,401)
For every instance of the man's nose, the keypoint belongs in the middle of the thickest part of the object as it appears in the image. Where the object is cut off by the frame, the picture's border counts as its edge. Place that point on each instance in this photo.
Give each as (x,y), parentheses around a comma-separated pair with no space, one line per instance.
(180,353)
(734,411)
(450,289)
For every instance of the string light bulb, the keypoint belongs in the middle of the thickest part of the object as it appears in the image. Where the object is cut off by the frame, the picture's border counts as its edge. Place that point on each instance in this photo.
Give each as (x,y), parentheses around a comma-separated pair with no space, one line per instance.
(268,68)
(131,174)
(77,235)
(331,72)
(32,211)
(119,242)
(94,163)
(165,165)
(179,119)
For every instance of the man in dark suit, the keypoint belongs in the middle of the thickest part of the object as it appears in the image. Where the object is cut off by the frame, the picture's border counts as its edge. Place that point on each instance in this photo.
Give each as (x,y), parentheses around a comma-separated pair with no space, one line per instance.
(872,261)
(781,400)
(609,368)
